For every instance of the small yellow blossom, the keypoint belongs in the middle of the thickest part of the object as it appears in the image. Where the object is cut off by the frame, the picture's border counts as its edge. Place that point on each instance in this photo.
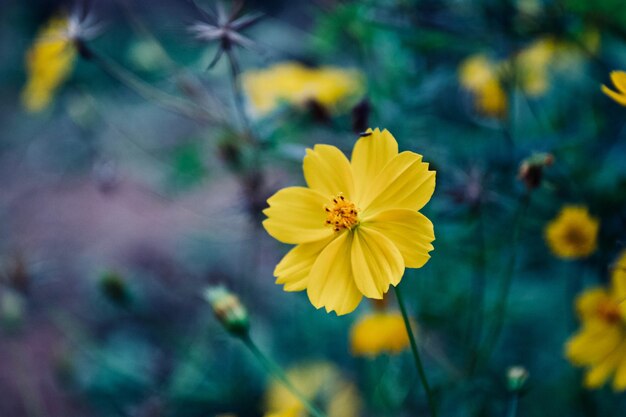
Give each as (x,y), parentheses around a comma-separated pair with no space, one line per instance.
(317,381)
(296,84)
(49,63)
(532,66)
(356,226)
(600,344)
(480,76)
(377,333)
(619,81)
(573,233)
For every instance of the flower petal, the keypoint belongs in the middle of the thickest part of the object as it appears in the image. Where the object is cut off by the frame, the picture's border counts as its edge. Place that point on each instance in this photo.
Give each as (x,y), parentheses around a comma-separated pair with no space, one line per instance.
(410,231)
(370,155)
(327,170)
(405,182)
(601,371)
(376,262)
(296,215)
(592,343)
(619,80)
(293,270)
(618,97)
(331,281)
(619,383)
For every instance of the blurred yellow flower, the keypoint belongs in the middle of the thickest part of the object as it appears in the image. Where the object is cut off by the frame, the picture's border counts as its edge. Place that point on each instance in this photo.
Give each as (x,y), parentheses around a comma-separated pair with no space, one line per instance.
(296,84)
(619,81)
(356,226)
(532,65)
(600,344)
(479,75)
(321,383)
(377,333)
(49,63)
(573,233)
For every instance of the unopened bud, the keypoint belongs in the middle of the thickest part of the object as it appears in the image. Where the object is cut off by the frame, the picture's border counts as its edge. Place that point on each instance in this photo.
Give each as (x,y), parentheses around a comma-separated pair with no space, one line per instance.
(228,310)
(531,169)
(114,288)
(516,377)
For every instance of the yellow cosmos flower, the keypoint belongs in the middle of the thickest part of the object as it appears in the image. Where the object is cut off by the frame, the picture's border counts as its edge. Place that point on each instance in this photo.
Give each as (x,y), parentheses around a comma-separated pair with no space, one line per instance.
(320,382)
(619,81)
(356,226)
(573,233)
(49,63)
(377,333)
(532,66)
(296,84)
(480,76)
(600,344)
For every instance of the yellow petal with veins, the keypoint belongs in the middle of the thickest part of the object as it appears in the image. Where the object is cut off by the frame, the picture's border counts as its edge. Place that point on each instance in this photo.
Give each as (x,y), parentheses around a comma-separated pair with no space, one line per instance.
(600,372)
(296,215)
(405,182)
(293,270)
(327,170)
(331,283)
(370,155)
(376,262)
(411,232)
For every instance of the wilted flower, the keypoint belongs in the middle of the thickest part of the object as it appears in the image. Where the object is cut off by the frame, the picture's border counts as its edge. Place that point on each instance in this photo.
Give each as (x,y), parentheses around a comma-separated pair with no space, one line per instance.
(531,169)
(224,27)
(377,333)
(295,84)
(51,58)
(600,344)
(228,310)
(573,233)
(357,225)
(619,82)
(317,381)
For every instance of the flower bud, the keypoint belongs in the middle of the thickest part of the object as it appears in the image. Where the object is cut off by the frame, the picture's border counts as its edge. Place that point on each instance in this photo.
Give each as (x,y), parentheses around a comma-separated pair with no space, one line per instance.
(531,169)
(114,288)
(228,310)
(516,377)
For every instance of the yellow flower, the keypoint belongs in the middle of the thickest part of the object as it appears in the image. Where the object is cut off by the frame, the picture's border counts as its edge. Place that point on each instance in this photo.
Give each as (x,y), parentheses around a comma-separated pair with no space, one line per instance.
(479,75)
(600,344)
(357,225)
(573,233)
(319,382)
(532,65)
(49,63)
(296,84)
(619,81)
(379,332)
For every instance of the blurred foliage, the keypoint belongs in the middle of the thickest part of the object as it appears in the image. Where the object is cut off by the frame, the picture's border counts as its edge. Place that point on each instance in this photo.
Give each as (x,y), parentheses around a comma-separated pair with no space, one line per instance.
(145,169)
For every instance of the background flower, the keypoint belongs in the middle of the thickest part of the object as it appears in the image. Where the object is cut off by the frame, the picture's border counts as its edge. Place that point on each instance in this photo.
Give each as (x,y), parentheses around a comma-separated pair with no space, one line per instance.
(573,233)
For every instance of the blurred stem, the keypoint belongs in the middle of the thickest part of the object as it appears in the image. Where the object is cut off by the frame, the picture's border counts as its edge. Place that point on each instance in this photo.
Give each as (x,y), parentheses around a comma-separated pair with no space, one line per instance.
(235,79)
(513,405)
(475,327)
(147,91)
(416,353)
(276,371)
(500,309)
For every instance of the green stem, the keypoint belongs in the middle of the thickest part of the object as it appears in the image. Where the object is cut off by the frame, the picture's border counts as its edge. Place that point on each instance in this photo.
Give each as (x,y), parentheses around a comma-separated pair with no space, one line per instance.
(416,353)
(276,371)
(513,406)
(500,309)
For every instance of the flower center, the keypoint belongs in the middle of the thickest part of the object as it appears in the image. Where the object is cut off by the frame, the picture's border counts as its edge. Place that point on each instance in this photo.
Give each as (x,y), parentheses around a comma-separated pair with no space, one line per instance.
(341,214)
(575,237)
(609,311)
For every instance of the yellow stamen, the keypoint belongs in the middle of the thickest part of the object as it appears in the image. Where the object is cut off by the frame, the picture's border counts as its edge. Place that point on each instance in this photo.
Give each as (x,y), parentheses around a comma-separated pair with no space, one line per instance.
(341,214)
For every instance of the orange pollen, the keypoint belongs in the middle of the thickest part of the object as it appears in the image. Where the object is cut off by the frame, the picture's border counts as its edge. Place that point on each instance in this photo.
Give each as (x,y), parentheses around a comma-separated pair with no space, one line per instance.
(341,214)
(609,311)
